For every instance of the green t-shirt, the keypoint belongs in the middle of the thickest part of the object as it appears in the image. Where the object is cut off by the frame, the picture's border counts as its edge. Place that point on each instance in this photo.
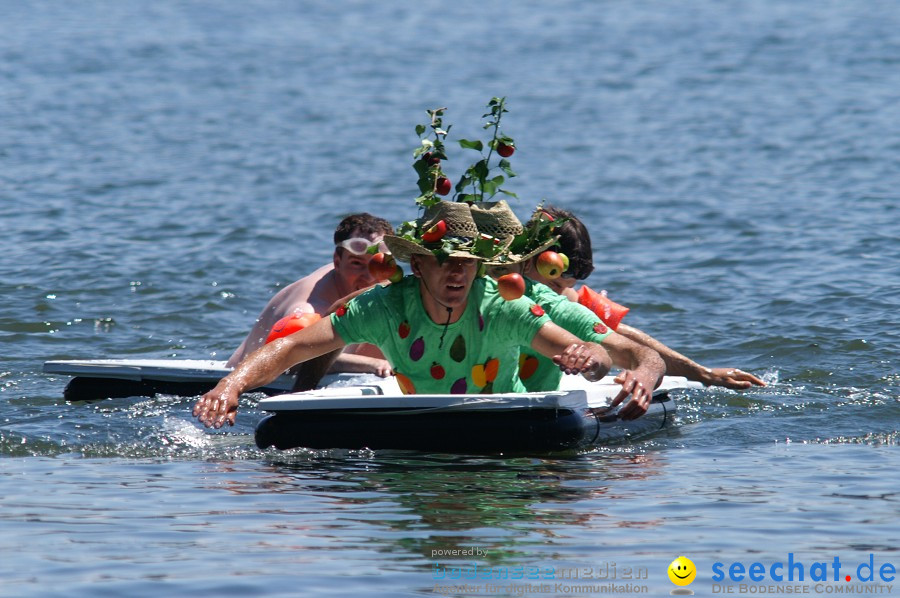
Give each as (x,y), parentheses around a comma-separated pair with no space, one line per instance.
(537,372)
(477,354)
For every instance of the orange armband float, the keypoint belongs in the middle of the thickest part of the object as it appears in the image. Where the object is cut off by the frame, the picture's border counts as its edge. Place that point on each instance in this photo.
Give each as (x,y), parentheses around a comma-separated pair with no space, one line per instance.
(609,311)
(291,324)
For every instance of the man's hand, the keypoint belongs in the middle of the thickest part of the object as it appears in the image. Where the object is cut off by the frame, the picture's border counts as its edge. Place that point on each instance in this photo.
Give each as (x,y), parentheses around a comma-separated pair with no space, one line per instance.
(641,391)
(731,378)
(216,407)
(381,368)
(589,359)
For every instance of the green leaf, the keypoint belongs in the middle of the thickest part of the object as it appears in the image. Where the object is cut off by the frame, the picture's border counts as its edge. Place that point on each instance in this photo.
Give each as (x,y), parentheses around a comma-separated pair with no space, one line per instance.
(421,166)
(463,183)
(481,169)
(420,129)
(426,200)
(504,166)
(467,144)
(489,188)
(485,247)
(407,228)
(510,193)
(468,197)
(520,242)
(498,180)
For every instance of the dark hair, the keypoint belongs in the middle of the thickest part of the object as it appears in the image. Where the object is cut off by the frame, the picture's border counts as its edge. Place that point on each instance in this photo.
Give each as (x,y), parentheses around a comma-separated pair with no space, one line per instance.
(364,223)
(574,241)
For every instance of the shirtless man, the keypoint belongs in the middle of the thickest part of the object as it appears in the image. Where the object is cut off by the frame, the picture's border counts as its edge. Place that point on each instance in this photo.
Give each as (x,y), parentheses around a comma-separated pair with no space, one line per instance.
(317,292)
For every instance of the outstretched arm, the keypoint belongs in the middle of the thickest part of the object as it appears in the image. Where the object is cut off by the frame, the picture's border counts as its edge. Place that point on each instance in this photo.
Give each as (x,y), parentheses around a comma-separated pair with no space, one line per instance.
(679,365)
(220,405)
(572,355)
(642,371)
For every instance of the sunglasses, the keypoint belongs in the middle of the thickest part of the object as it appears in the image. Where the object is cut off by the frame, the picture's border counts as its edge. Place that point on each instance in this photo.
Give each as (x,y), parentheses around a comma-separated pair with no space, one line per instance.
(361,246)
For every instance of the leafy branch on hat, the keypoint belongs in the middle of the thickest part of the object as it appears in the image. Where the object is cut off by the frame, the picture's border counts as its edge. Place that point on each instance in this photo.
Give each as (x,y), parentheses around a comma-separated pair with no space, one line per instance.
(539,229)
(432,181)
(478,175)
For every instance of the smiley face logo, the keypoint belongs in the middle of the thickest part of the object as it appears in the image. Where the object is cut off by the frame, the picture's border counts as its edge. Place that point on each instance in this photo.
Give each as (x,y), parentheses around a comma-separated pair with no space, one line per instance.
(682,571)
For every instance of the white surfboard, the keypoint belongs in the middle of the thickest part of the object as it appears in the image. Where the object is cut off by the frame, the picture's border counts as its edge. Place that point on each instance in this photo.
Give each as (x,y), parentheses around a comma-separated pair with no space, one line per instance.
(365,411)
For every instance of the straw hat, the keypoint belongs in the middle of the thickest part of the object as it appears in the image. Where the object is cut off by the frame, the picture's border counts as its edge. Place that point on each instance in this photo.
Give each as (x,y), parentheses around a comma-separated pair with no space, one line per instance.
(497,219)
(459,240)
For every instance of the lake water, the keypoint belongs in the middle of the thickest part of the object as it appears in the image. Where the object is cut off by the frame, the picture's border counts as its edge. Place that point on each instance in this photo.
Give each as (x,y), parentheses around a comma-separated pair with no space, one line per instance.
(166,167)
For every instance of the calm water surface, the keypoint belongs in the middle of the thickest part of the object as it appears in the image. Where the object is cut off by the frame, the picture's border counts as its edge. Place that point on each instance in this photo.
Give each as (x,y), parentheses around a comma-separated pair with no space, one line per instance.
(166,167)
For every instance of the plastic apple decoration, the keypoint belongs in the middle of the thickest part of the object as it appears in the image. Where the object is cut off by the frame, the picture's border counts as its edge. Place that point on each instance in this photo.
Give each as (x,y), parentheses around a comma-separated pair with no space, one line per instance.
(550,265)
(511,286)
(436,232)
(505,151)
(565,260)
(382,266)
(443,186)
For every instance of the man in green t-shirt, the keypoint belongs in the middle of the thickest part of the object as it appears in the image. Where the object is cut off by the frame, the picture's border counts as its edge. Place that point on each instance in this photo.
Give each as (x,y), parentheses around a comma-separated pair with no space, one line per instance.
(642,367)
(574,241)
(441,330)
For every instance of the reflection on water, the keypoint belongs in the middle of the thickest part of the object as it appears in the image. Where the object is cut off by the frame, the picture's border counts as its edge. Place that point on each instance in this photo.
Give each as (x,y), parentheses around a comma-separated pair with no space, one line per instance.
(328,514)
(427,505)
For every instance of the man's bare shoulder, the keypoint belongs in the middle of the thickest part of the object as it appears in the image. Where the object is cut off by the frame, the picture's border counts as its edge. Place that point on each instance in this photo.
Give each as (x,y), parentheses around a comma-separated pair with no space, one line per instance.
(309,282)
(304,294)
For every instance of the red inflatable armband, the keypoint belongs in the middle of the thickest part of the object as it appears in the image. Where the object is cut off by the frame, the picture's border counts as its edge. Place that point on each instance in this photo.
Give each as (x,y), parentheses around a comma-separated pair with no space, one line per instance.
(609,311)
(291,324)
